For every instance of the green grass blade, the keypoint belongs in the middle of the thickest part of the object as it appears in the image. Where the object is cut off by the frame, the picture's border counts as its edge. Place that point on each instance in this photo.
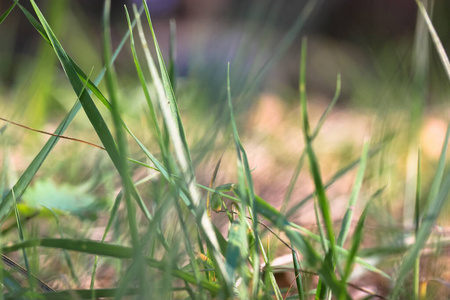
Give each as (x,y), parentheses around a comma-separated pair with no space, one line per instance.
(244,170)
(33,167)
(417,225)
(6,205)
(418,193)
(169,107)
(84,246)
(436,199)
(353,196)
(311,257)
(122,147)
(314,134)
(86,101)
(34,22)
(436,41)
(101,249)
(273,215)
(6,13)
(173,54)
(142,80)
(437,181)
(323,239)
(66,255)
(339,174)
(329,108)
(75,294)
(357,238)
(112,216)
(21,238)
(428,222)
(88,105)
(175,129)
(298,276)
(111,84)
(314,166)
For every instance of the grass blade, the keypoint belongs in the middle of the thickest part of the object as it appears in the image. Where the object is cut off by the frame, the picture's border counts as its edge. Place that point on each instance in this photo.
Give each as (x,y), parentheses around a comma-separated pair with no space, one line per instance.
(340,173)
(314,134)
(298,276)
(436,199)
(314,166)
(23,182)
(111,83)
(311,257)
(169,107)
(175,129)
(112,216)
(353,196)
(66,255)
(357,238)
(434,36)
(244,170)
(6,13)
(142,80)
(88,105)
(101,249)
(173,54)
(417,225)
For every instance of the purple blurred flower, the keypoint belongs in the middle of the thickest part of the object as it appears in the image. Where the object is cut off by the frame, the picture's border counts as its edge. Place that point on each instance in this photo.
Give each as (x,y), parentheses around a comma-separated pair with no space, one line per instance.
(160,7)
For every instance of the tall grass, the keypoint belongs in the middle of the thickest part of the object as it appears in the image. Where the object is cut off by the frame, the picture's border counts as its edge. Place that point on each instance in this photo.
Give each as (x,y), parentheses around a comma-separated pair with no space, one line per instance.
(169,247)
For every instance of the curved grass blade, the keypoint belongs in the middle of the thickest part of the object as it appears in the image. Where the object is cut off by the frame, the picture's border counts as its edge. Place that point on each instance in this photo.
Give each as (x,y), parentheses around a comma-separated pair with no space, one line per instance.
(88,105)
(30,172)
(6,13)
(357,238)
(110,250)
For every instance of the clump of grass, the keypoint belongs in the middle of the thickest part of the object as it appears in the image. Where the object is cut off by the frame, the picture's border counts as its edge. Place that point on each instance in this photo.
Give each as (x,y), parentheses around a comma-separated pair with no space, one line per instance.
(169,247)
